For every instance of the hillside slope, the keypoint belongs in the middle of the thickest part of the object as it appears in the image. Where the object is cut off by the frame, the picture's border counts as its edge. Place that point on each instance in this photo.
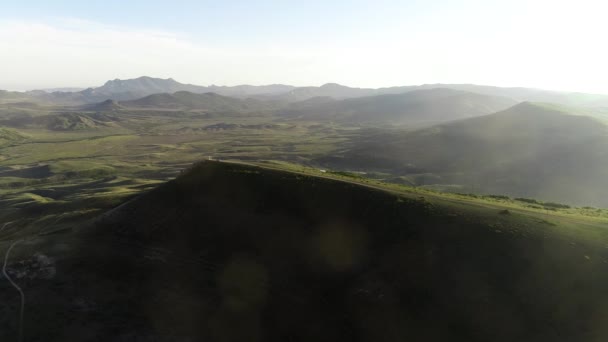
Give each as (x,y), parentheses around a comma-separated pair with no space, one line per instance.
(105,106)
(184,100)
(237,253)
(415,107)
(8,135)
(535,95)
(518,94)
(529,150)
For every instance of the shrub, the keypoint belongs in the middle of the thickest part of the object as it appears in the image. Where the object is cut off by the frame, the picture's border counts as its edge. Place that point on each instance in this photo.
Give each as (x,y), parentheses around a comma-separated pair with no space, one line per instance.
(555,205)
(345,174)
(527,200)
(502,197)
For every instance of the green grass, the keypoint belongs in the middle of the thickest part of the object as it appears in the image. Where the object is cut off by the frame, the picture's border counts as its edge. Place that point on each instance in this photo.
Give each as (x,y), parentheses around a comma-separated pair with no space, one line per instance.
(498,201)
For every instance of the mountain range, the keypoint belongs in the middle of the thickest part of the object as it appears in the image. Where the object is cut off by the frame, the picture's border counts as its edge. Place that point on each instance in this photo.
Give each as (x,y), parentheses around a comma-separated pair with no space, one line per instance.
(185,100)
(415,107)
(461,138)
(131,89)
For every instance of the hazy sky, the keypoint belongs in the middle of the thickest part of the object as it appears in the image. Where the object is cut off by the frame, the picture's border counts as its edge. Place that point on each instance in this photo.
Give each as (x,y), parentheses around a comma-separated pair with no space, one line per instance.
(550,44)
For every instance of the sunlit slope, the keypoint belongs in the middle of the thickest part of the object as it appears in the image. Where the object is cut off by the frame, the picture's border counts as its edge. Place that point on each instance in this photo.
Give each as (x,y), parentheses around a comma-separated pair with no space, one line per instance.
(414,107)
(531,150)
(105,106)
(76,121)
(8,136)
(238,253)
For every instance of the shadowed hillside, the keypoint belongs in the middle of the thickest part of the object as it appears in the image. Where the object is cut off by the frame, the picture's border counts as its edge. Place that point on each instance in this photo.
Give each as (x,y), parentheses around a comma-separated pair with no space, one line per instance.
(105,106)
(237,253)
(415,107)
(186,100)
(529,150)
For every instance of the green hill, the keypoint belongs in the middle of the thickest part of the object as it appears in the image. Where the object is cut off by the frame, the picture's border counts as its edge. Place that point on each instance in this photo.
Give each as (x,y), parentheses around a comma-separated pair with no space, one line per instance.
(8,135)
(529,150)
(12,96)
(238,253)
(415,107)
(68,121)
(77,121)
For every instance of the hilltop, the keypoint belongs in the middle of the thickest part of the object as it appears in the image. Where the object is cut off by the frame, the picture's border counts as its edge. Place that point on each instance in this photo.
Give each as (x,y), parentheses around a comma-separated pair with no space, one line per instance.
(105,106)
(241,253)
(8,135)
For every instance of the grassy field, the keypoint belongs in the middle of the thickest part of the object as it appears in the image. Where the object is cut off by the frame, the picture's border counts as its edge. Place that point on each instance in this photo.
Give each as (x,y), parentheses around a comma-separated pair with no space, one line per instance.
(48,174)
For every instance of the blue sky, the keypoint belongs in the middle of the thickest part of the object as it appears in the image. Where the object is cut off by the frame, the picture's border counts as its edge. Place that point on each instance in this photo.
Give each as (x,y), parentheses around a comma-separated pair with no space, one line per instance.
(535,43)
(231,21)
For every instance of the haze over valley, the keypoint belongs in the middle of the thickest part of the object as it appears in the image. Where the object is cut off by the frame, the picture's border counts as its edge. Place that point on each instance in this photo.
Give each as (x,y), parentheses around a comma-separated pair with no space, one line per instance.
(460,138)
(278,171)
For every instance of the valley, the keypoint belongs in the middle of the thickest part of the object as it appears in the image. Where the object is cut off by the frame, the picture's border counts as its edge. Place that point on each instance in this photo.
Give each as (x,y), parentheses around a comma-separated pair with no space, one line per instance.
(425,139)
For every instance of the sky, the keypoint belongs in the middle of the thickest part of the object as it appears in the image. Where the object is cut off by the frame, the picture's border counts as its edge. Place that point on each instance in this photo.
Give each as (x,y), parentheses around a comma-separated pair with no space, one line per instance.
(558,45)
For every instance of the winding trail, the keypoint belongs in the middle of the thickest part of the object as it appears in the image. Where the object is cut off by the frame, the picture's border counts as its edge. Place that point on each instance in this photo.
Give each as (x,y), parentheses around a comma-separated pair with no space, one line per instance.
(21,311)
(5,225)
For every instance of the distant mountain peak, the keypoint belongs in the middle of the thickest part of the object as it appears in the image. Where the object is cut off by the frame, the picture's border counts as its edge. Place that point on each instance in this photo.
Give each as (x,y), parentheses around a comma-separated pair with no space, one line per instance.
(540,108)
(333,85)
(108,105)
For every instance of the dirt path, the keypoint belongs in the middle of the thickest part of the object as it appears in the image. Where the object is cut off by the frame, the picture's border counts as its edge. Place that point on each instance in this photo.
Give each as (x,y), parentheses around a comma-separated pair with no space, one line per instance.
(5,225)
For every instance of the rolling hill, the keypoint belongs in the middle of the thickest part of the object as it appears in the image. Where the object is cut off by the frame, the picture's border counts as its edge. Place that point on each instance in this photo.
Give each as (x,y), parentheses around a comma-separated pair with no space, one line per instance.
(518,94)
(12,96)
(68,121)
(105,106)
(131,89)
(8,135)
(415,107)
(184,100)
(528,150)
(77,121)
(231,252)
